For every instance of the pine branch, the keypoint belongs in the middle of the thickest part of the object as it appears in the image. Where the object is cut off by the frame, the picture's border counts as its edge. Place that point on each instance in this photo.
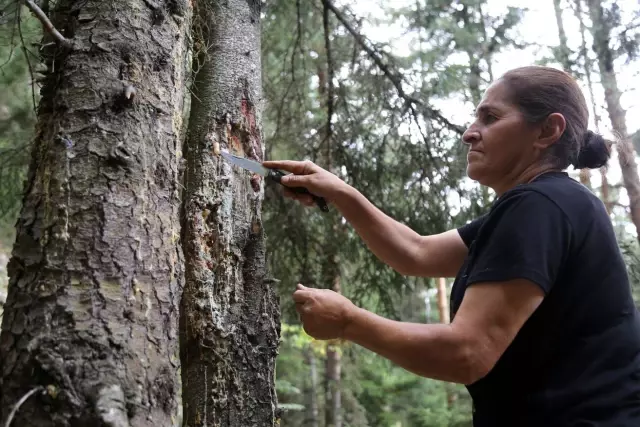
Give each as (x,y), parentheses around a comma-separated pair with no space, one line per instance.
(392,75)
(46,23)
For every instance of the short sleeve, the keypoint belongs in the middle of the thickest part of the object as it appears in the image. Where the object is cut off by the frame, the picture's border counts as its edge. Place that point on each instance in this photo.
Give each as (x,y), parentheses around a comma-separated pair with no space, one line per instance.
(526,236)
(469,231)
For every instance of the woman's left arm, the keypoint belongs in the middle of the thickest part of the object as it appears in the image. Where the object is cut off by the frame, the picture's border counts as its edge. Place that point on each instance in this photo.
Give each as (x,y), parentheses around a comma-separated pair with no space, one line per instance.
(490,316)
(516,264)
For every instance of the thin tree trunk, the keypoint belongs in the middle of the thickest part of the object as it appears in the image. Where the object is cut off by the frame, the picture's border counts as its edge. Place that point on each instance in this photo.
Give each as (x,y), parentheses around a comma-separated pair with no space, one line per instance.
(333,408)
(312,392)
(443,306)
(229,321)
(95,274)
(626,152)
(563,57)
(331,268)
(563,51)
(588,67)
(443,311)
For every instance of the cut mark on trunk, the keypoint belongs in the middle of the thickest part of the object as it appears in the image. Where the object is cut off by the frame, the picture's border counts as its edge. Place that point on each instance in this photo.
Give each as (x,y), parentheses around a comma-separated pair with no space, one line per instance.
(253,141)
(255,182)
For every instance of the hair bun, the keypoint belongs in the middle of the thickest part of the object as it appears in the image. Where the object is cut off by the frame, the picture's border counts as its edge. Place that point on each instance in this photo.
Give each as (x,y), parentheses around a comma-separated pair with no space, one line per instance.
(594,152)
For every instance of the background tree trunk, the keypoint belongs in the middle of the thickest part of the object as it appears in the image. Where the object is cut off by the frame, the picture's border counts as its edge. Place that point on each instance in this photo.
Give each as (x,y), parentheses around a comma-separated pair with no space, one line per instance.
(95,275)
(563,48)
(588,69)
(230,321)
(565,61)
(312,392)
(333,365)
(626,152)
(443,306)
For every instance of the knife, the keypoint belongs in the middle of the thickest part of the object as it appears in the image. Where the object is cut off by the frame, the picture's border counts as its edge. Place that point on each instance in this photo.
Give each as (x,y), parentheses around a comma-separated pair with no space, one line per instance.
(274,175)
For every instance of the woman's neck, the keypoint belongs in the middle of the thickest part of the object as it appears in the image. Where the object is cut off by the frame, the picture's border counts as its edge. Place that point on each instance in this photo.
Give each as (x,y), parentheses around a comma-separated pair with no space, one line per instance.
(525,177)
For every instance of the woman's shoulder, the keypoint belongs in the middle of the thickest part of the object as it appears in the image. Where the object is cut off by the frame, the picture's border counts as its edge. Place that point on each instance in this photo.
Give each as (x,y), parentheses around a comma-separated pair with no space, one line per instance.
(556,190)
(560,197)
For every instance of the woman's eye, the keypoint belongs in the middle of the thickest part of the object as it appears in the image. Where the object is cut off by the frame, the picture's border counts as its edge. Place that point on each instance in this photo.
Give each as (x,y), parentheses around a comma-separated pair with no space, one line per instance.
(490,118)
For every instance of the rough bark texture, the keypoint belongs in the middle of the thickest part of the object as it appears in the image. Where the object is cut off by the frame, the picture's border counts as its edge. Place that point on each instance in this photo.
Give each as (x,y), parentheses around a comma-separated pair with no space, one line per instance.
(95,276)
(626,151)
(230,322)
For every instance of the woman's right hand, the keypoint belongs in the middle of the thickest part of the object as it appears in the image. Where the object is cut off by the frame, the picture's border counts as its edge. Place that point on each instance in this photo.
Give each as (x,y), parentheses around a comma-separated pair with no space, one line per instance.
(309,175)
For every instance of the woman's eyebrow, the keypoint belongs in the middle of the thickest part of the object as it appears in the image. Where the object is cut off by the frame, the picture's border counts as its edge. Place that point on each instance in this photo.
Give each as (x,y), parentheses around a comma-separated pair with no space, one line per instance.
(485,108)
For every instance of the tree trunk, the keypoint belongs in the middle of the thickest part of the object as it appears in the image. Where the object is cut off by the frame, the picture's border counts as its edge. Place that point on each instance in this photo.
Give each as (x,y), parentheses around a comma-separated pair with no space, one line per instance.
(443,307)
(588,64)
(333,407)
(626,152)
(563,57)
(95,275)
(563,51)
(331,267)
(230,322)
(312,392)
(443,310)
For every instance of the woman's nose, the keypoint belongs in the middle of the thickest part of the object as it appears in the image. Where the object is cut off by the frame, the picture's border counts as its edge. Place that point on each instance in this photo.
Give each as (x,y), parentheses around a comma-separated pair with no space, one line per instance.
(470,135)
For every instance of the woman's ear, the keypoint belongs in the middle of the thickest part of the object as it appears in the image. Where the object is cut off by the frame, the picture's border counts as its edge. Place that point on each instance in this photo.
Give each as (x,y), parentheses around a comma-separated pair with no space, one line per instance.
(551,130)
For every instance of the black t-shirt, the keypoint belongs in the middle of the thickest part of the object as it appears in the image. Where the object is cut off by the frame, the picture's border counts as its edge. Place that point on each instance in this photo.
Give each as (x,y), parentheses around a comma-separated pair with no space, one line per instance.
(576,361)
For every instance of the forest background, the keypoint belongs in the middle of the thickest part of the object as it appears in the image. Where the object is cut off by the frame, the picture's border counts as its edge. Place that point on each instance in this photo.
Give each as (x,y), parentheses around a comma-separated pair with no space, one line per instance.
(378,92)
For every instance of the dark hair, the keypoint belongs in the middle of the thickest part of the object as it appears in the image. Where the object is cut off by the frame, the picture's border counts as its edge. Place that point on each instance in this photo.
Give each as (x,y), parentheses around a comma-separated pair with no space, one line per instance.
(540,91)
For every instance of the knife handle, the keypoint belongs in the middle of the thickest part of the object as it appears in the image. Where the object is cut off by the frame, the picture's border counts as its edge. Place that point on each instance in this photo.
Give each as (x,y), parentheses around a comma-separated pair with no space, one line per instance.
(277,175)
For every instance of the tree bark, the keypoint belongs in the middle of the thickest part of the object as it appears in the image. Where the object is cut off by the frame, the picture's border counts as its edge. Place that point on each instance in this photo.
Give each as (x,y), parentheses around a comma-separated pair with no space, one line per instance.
(626,152)
(95,274)
(229,321)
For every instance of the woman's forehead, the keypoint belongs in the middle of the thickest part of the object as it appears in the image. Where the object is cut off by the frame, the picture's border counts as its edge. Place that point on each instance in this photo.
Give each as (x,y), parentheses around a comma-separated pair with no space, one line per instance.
(496,96)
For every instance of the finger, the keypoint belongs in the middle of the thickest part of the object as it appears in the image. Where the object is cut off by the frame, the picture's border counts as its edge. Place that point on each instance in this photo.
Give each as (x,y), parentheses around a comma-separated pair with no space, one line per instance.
(293,166)
(301,286)
(301,296)
(293,180)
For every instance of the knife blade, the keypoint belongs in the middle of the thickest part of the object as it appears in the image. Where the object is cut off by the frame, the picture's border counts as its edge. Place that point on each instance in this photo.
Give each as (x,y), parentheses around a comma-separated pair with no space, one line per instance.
(272,174)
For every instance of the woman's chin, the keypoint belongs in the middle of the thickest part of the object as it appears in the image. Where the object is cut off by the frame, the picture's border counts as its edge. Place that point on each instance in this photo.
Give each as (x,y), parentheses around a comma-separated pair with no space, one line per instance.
(474,172)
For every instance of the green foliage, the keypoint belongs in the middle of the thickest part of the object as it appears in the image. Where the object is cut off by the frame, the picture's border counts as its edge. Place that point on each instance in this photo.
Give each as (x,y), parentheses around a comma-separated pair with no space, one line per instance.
(405,162)
(376,392)
(18,35)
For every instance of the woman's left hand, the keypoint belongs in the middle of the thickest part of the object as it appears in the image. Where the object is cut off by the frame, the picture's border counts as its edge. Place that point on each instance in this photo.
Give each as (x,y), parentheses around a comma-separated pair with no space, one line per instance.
(324,313)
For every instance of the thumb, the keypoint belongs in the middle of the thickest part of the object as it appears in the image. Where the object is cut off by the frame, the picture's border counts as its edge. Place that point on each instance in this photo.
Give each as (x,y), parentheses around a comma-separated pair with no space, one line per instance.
(300,286)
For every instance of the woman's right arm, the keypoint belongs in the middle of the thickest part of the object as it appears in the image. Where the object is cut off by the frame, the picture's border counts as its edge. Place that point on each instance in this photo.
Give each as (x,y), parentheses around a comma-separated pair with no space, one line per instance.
(395,244)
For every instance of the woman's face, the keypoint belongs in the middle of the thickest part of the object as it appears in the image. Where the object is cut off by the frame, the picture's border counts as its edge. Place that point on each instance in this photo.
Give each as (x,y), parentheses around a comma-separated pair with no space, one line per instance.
(501,143)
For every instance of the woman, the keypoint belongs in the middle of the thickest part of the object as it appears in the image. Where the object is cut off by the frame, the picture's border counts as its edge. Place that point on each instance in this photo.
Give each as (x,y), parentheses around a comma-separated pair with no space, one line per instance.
(544,329)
